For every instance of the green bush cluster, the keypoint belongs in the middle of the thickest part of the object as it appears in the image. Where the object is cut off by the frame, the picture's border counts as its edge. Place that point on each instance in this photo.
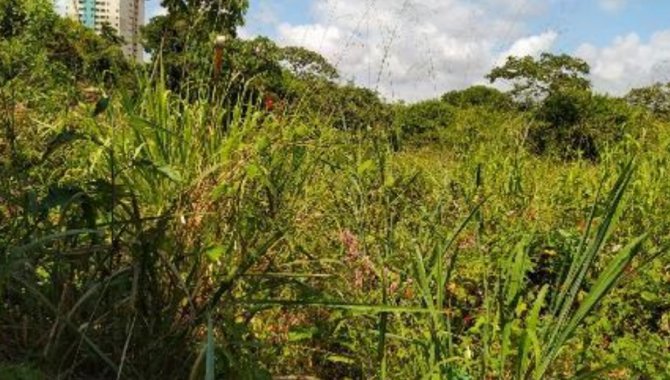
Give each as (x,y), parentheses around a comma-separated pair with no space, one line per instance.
(427,117)
(480,96)
(576,124)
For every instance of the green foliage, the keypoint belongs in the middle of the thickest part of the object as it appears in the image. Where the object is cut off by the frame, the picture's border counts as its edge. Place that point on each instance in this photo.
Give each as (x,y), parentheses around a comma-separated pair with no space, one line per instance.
(316,251)
(13,18)
(479,96)
(148,233)
(306,64)
(219,16)
(562,127)
(575,123)
(424,117)
(19,373)
(356,108)
(252,69)
(550,74)
(75,54)
(183,38)
(108,33)
(344,107)
(655,98)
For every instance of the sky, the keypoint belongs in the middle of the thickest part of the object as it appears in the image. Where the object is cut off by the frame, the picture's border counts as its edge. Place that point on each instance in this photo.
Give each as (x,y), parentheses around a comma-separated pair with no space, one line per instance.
(418,49)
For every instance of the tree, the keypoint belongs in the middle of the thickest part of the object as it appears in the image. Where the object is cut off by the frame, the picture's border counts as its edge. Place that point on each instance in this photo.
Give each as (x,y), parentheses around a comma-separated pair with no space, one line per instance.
(108,33)
(425,117)
(216,16)
(182,39)
(41,52)
(655,98)
(535,79)
(307,64)
(570,120)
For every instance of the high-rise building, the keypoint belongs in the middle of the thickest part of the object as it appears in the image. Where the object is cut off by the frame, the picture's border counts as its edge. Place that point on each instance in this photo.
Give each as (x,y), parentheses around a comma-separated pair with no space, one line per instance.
(125,16)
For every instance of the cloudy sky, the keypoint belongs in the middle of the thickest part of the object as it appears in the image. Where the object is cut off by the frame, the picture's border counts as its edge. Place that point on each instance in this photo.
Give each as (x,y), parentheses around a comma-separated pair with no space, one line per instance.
(416,49)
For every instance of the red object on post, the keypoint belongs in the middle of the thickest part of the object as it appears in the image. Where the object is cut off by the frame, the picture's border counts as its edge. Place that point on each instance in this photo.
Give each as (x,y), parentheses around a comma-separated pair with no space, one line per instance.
(218,55)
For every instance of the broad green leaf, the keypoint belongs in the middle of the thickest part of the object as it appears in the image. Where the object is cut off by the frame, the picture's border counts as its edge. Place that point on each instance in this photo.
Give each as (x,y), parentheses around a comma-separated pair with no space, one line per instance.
(170,172)
(215,253)
(365,167)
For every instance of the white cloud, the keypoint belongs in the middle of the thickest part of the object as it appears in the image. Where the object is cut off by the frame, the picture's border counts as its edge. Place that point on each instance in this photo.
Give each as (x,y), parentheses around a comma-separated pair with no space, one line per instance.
(613,5)
(315,37)
(415,49)
(533,46)
(628,62)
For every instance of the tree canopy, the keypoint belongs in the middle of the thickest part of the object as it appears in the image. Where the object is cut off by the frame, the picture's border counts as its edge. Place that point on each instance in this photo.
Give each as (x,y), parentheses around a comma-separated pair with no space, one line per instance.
(536,78)
(216,16)
(656,98)
(33,35)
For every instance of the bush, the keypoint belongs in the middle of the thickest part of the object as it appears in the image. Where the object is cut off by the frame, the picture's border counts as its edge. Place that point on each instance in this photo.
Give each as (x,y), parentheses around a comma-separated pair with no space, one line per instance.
(424,117)
(344,107)
(355,108)
(574,123)
(479,96)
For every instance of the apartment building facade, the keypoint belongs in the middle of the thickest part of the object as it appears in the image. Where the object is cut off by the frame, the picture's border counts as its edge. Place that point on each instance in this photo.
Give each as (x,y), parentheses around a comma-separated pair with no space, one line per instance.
(125,16)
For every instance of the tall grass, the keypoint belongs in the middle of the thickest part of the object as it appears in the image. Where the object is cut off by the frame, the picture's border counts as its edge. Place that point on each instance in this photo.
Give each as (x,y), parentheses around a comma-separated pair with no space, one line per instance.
(167,238)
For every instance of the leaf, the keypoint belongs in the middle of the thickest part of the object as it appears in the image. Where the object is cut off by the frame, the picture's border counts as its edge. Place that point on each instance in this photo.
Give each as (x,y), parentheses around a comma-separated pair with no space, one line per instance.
(530,335)
(649,297)
(605,282)
(101,106)
(582,262)
(215,253)
(302,334)
(340,359)
(170,173)
(516,273)
(253,171)
(210,359)
(365,167)
(37,243)
(262,144)
(389,181)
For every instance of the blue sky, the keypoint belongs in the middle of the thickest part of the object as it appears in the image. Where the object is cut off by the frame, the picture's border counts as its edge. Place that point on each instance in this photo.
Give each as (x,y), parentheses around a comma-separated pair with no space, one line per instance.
(414,49)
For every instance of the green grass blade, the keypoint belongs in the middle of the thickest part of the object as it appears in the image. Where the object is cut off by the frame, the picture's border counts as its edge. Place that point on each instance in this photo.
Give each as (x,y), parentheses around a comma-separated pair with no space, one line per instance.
(585,261)
(605,282)
(210,358)
(529,339)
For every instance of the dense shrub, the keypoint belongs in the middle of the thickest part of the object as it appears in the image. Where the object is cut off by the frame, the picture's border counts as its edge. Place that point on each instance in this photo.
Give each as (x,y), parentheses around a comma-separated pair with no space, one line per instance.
(357,108)
(424,117)
(575,123)
(479,96)
(344,107)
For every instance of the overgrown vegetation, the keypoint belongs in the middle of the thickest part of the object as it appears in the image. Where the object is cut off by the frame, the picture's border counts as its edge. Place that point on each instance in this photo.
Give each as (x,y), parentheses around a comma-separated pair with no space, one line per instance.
(164,222)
